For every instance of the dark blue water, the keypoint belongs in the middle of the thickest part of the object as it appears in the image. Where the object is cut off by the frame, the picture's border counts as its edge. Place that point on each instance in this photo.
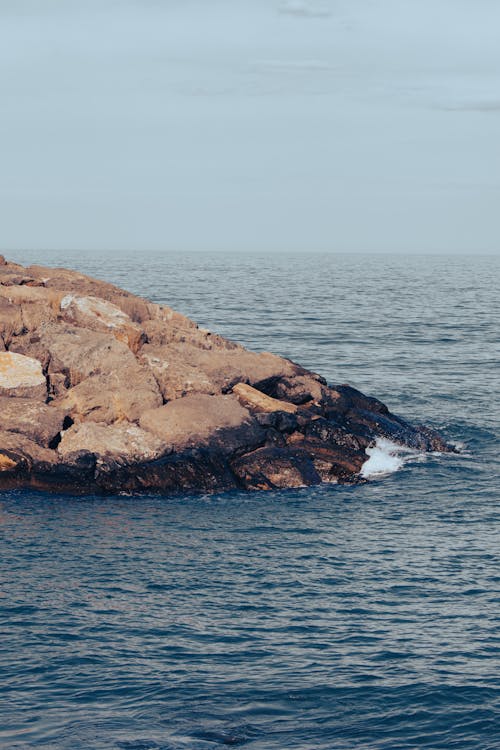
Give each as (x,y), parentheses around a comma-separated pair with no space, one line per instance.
(333,617)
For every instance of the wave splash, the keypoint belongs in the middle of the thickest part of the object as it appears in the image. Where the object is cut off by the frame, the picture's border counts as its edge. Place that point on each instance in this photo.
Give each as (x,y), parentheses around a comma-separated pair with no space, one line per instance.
(386,457)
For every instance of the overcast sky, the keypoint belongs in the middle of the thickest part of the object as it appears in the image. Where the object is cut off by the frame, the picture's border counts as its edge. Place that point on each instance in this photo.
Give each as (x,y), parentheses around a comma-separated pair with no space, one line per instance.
(252,125)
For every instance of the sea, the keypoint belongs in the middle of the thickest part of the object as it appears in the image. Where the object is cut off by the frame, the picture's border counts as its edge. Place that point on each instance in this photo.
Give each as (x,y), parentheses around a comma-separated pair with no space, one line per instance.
(324,618)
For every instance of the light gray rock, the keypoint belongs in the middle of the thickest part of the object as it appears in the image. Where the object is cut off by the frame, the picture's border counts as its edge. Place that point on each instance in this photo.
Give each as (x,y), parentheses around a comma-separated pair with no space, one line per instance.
(123,440)
(21,377)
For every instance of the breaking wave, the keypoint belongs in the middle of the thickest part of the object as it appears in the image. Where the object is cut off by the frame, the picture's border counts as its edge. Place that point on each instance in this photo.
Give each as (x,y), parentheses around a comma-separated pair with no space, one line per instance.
(386,457)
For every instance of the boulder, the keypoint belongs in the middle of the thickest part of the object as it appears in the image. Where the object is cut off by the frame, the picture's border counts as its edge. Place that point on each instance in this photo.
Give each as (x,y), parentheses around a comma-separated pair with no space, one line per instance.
(99,315)
(116,396)
(79,353)
(183,367)
(21,377)
(175,377)
(21,460)
(298,389)
(124,441)
(271,467)
(39,422)
(200,419)
(257,401)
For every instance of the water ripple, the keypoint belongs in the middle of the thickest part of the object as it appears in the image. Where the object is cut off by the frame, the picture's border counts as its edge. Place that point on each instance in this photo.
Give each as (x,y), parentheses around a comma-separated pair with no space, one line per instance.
(322,618)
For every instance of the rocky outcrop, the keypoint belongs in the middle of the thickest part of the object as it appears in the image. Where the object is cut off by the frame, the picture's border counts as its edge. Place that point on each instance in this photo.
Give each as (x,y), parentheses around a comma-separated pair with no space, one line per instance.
(102,391)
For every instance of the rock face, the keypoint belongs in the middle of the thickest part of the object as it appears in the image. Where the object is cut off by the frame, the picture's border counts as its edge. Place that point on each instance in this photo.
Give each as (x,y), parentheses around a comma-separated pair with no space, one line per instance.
(102,391)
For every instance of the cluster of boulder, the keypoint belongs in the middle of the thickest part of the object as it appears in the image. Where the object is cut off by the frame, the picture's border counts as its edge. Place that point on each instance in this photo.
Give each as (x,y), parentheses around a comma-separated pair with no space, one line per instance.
(103,391)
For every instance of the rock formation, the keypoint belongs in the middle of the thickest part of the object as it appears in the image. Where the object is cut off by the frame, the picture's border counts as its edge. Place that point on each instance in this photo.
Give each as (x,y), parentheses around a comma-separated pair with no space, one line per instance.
(102,391)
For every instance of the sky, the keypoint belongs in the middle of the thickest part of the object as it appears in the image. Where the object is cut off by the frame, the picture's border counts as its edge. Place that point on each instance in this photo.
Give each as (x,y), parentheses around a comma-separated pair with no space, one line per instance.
(250,125)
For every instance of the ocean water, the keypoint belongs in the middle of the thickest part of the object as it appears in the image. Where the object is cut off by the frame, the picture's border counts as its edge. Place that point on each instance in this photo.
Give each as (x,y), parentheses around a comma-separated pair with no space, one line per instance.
(323,618)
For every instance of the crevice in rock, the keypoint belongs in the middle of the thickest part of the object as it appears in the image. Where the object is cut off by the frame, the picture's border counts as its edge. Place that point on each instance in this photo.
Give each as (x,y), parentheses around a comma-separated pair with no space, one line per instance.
(45,371)
(54,442)
(150,370)
(67,422)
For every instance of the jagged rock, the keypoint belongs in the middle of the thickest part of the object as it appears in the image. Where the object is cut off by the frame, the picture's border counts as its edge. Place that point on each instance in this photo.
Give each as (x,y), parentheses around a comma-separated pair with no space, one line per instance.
(102,391)
(21,376)
(184,367)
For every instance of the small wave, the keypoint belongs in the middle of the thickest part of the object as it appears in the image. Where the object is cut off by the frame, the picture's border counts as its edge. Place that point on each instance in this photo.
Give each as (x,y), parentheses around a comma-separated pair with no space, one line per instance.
(386,457)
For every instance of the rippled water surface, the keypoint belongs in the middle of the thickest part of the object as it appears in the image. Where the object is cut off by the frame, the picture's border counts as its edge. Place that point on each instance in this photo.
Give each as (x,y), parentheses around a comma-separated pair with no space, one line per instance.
(365,617)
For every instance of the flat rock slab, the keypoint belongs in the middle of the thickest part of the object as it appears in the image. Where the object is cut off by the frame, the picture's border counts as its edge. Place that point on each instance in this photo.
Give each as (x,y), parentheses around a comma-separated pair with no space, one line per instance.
(22,377)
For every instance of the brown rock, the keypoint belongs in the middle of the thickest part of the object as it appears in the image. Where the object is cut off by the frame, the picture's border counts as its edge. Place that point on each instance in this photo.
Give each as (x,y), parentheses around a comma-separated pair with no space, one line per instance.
(11,321)
(257,401)
(175,377)
(274,468)
(20,294)
(195,420)
(21,377)
(299,388)
(39,422)
(183,367)
(99,315)
(6,463)
(78,283)
(80,353)
(22,453)
(31,307)
(167,327)
(124,441)
(120,395)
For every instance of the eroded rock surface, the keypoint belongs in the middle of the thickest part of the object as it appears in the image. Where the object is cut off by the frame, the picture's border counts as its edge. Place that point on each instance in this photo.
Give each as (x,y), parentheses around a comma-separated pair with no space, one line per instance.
(102,391)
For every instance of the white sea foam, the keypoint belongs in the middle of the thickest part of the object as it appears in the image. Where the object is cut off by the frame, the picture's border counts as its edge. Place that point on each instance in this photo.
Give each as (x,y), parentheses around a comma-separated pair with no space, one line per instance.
(385,457)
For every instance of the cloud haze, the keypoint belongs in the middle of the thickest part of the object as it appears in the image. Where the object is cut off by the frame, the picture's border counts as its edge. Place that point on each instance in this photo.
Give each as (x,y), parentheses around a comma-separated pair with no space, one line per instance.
(344,125)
